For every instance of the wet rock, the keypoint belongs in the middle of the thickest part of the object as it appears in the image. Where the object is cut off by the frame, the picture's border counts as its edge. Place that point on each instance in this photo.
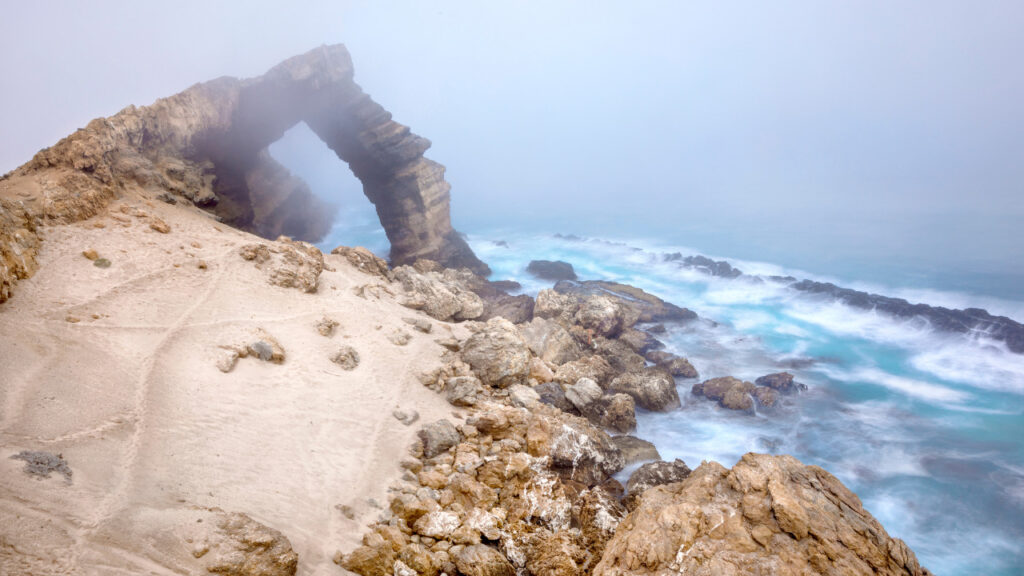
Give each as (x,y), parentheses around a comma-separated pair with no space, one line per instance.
(363,260)
(653,474)
(765,396)
(551,270)
(652,388)
(735,394)
(738,398)
(438,438)
(550,341)
(634,449)
(676,365)
(780,382)
(552,393)
(41,464)
(463,390)
(582,393)
(347,357)
(482,560)
(498,354)
(719,268)
(768,515)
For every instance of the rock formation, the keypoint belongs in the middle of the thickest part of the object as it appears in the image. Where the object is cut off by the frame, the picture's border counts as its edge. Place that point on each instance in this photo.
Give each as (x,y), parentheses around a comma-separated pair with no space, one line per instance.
(768,515)
(209,145)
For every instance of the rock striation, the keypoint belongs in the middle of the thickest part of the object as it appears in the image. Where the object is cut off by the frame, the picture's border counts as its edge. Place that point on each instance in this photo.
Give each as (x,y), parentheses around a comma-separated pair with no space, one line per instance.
(208,145)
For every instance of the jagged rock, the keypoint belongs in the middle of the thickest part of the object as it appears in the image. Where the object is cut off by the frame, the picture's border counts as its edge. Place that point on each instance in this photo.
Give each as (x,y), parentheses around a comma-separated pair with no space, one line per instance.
(735,394)
(636,304)
(652,388)
(437,524)
(550,341)
(363,260)
(618,412)
(482,560)
(325,326)
(551,270)
(640,341)
(780,382)
(347,357)
(634,449)
(676,365)
(600,314)
(498,354)
(583,452)
(556,306)
(540,371)
(463,390)
(594,367)
(598,514)
(706,265)
(553,394)
(653,474)
(289,263)
(768,515)
(443,298)
(620,355)
(242,546)
(554,554)
(375,557)
(582,393)
(438,438)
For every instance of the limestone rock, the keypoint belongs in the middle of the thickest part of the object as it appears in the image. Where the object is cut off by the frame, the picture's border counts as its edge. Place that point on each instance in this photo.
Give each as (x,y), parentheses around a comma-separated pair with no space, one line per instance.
(498,354)
(583,452)
(551,270)
(616,412)
(780,382)
(523,396)
(325,326)
(594,367)
(443,298)
(620,355)
(582,393)
(242,546)
(550,341)
(635,304)
(768,515)
(552,393)
(363,260)
(463,390)
(652,388)
(482,560)
(600,314)
(540,371)
(676,365)
(735,394)
(653,474)
(598,514)
(438,438)
(288,263)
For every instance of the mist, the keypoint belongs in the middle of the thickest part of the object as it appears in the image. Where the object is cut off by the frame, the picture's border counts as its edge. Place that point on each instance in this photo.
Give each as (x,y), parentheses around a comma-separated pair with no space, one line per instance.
(853,138)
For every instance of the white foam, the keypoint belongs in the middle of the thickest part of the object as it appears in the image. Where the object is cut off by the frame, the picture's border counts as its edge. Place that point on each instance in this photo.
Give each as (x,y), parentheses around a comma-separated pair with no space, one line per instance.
(919,389)
(989,366)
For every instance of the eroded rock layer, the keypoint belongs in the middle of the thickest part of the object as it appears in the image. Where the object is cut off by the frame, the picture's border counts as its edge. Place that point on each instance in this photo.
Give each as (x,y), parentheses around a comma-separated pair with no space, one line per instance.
(209,145)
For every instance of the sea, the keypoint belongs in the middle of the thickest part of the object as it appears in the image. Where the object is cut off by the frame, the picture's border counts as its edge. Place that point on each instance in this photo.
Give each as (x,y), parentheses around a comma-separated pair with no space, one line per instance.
(926,427)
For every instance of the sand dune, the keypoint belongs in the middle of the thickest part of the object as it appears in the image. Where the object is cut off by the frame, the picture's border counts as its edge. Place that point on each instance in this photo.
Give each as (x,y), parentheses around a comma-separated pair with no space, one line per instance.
(116,369)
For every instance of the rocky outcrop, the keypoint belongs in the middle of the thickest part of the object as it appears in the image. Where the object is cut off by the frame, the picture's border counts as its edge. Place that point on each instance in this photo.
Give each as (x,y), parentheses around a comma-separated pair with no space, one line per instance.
(498,354)
(241,546)
(636,304)
(653,474)
(551,270)
(706,265)
(209,145)
(768,515)
(288,263)
(735,394)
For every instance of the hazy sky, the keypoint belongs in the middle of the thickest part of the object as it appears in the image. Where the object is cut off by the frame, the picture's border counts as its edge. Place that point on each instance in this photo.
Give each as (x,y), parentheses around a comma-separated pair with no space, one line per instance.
(673,114)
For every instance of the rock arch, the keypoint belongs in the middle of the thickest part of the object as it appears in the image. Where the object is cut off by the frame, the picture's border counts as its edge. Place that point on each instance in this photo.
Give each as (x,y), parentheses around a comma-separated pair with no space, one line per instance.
(209,144)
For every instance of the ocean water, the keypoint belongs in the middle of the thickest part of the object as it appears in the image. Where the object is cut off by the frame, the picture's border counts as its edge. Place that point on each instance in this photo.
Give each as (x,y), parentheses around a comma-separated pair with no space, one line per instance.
(927,428)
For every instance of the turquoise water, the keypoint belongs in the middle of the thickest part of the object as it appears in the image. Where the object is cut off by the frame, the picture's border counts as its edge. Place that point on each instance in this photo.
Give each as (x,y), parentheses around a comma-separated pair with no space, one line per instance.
(927,428)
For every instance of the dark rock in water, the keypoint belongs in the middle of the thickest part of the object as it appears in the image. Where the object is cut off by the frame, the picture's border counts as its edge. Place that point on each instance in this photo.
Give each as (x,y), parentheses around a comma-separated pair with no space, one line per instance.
(501,243)
(781,382)
(438,437)
(676,365)
(735,394)
(572,237)
(974,321)
(552,393)
(42,464)
(654,474)
(657,329)
(706,265)
(635,449)
(551,270)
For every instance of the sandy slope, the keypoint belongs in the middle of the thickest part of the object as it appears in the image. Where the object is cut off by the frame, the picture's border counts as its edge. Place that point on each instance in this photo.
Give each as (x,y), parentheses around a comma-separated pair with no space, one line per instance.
(131,396)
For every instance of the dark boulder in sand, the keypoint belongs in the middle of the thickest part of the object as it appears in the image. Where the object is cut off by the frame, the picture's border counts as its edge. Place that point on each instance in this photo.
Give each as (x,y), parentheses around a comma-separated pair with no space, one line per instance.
(554,270)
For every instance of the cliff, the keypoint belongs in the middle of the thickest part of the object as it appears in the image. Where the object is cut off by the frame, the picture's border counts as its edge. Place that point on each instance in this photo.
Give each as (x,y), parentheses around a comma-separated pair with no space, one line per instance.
(208,146)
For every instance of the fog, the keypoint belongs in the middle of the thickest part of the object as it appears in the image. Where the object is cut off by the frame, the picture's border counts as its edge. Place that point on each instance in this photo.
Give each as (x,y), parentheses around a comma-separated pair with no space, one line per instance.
(814,134)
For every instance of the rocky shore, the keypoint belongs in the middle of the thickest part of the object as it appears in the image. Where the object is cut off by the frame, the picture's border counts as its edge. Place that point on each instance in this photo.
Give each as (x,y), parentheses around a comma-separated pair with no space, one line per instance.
(185,396)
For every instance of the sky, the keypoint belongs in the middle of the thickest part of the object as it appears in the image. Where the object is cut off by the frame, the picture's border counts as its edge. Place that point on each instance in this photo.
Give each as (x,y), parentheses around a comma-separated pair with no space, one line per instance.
(750,128)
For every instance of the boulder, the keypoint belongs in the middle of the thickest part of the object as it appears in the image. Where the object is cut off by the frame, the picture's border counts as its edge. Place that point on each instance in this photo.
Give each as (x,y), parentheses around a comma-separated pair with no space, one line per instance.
(552,393)
(652,388)
(640,341)
(582,393)
(463,390)
(498,354)
(616,412)
(600,314)
(554,305)
(634,449)
(551,270)
(239,546)
(363,260)
(594,367)
(653,474)
(522,396)
(550,341)
(768,515)
(579,451)
(735,394)
(288,263)
(620,355)
(636,305)
(676,365)
(438,438)
(482,560)
(443,298)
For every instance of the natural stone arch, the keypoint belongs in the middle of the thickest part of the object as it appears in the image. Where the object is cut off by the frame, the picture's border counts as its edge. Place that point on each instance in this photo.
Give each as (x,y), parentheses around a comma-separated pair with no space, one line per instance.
(210,143)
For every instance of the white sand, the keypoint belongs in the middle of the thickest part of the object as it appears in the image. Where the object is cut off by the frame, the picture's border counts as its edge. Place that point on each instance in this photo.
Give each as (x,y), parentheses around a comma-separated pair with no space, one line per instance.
(152,429)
